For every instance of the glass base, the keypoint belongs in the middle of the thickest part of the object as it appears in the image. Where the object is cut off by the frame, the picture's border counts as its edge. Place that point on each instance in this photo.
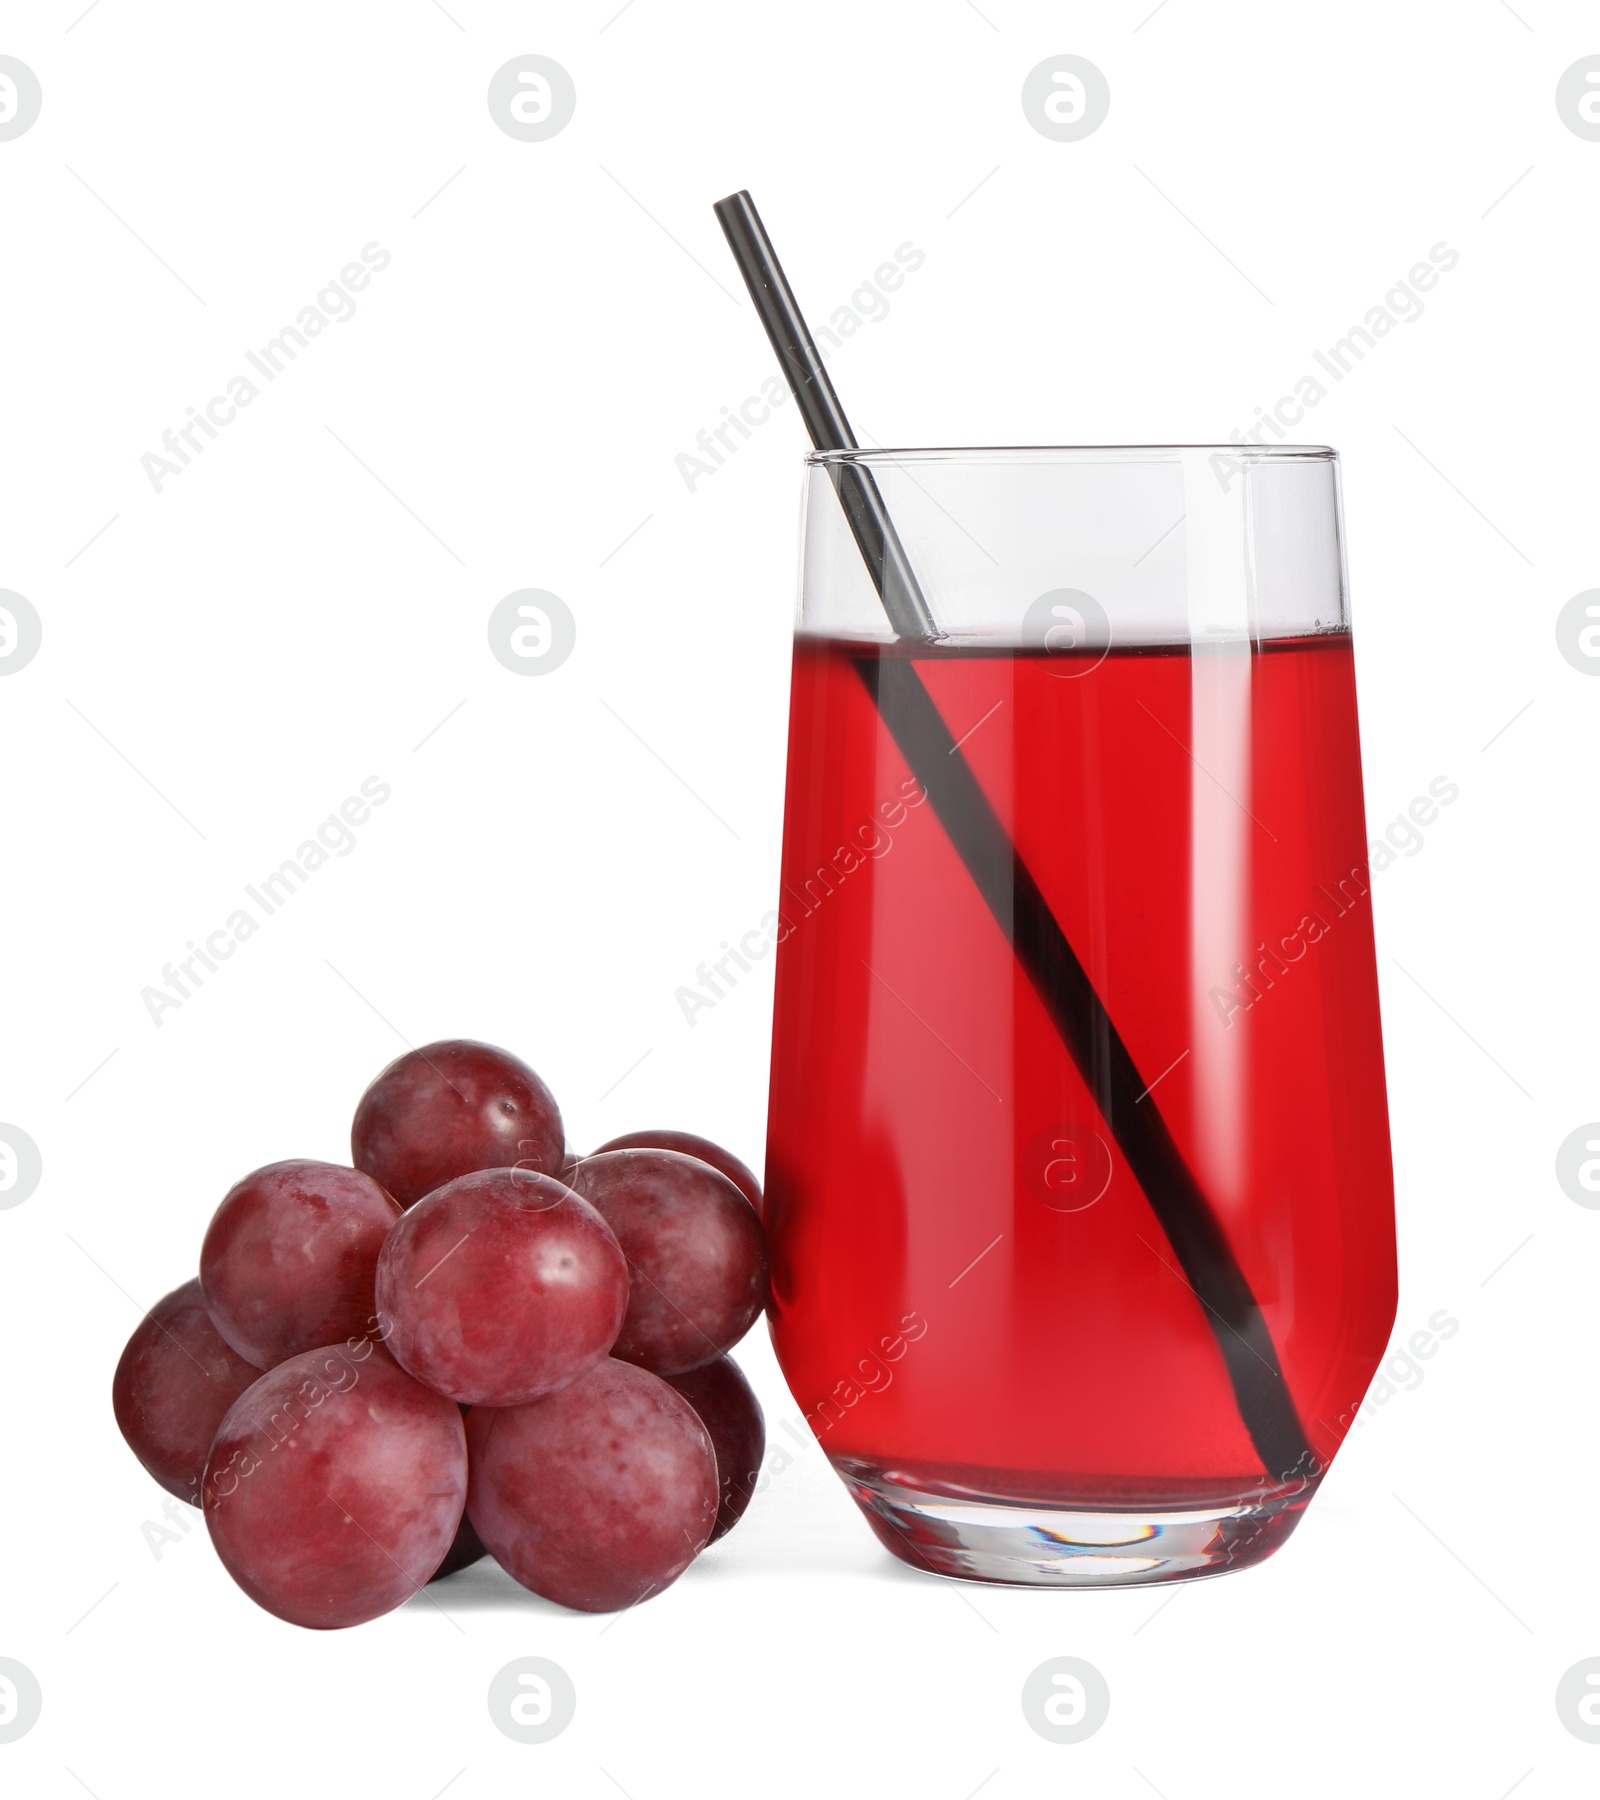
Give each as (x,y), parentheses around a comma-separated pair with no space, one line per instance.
(1085,1541)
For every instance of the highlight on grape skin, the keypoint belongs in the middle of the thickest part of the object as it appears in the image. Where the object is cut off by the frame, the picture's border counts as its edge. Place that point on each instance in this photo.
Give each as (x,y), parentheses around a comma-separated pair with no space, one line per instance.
(697,1255)
(728,1408)
(175,1380)
(596,1497)
(288,1260)
(335,1486)
(500,1287)
(450,1109)
(688,1143)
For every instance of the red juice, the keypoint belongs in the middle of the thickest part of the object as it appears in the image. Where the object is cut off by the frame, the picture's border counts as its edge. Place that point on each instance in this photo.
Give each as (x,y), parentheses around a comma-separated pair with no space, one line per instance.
(973,1296)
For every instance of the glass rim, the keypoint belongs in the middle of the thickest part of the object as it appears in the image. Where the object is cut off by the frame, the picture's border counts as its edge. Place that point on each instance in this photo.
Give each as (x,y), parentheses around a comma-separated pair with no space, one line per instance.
(979,454)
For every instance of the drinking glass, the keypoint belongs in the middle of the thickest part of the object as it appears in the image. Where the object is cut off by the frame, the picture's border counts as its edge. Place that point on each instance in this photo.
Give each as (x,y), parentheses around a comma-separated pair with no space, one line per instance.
(1078,1174)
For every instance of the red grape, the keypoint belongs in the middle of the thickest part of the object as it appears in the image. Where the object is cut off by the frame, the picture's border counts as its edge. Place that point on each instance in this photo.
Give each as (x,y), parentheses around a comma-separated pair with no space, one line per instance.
(731,1413)
(500,1287)
(451,1108)
(697,1256)
(468,1546)
(467,1549)
(335,1486)
(596,1497)
(288,1259)
(687,1144)
(175,1380)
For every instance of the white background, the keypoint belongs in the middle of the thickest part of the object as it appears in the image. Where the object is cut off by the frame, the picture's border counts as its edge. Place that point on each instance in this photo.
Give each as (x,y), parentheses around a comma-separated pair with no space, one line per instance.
(229,658)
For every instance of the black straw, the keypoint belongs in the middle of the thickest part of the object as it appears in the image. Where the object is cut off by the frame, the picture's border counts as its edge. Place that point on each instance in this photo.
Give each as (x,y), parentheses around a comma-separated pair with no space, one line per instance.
(1009,889)
(826,424)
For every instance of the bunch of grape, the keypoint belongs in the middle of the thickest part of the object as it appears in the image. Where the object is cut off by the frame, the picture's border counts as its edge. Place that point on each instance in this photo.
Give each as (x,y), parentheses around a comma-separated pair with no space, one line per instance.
(472,1342)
